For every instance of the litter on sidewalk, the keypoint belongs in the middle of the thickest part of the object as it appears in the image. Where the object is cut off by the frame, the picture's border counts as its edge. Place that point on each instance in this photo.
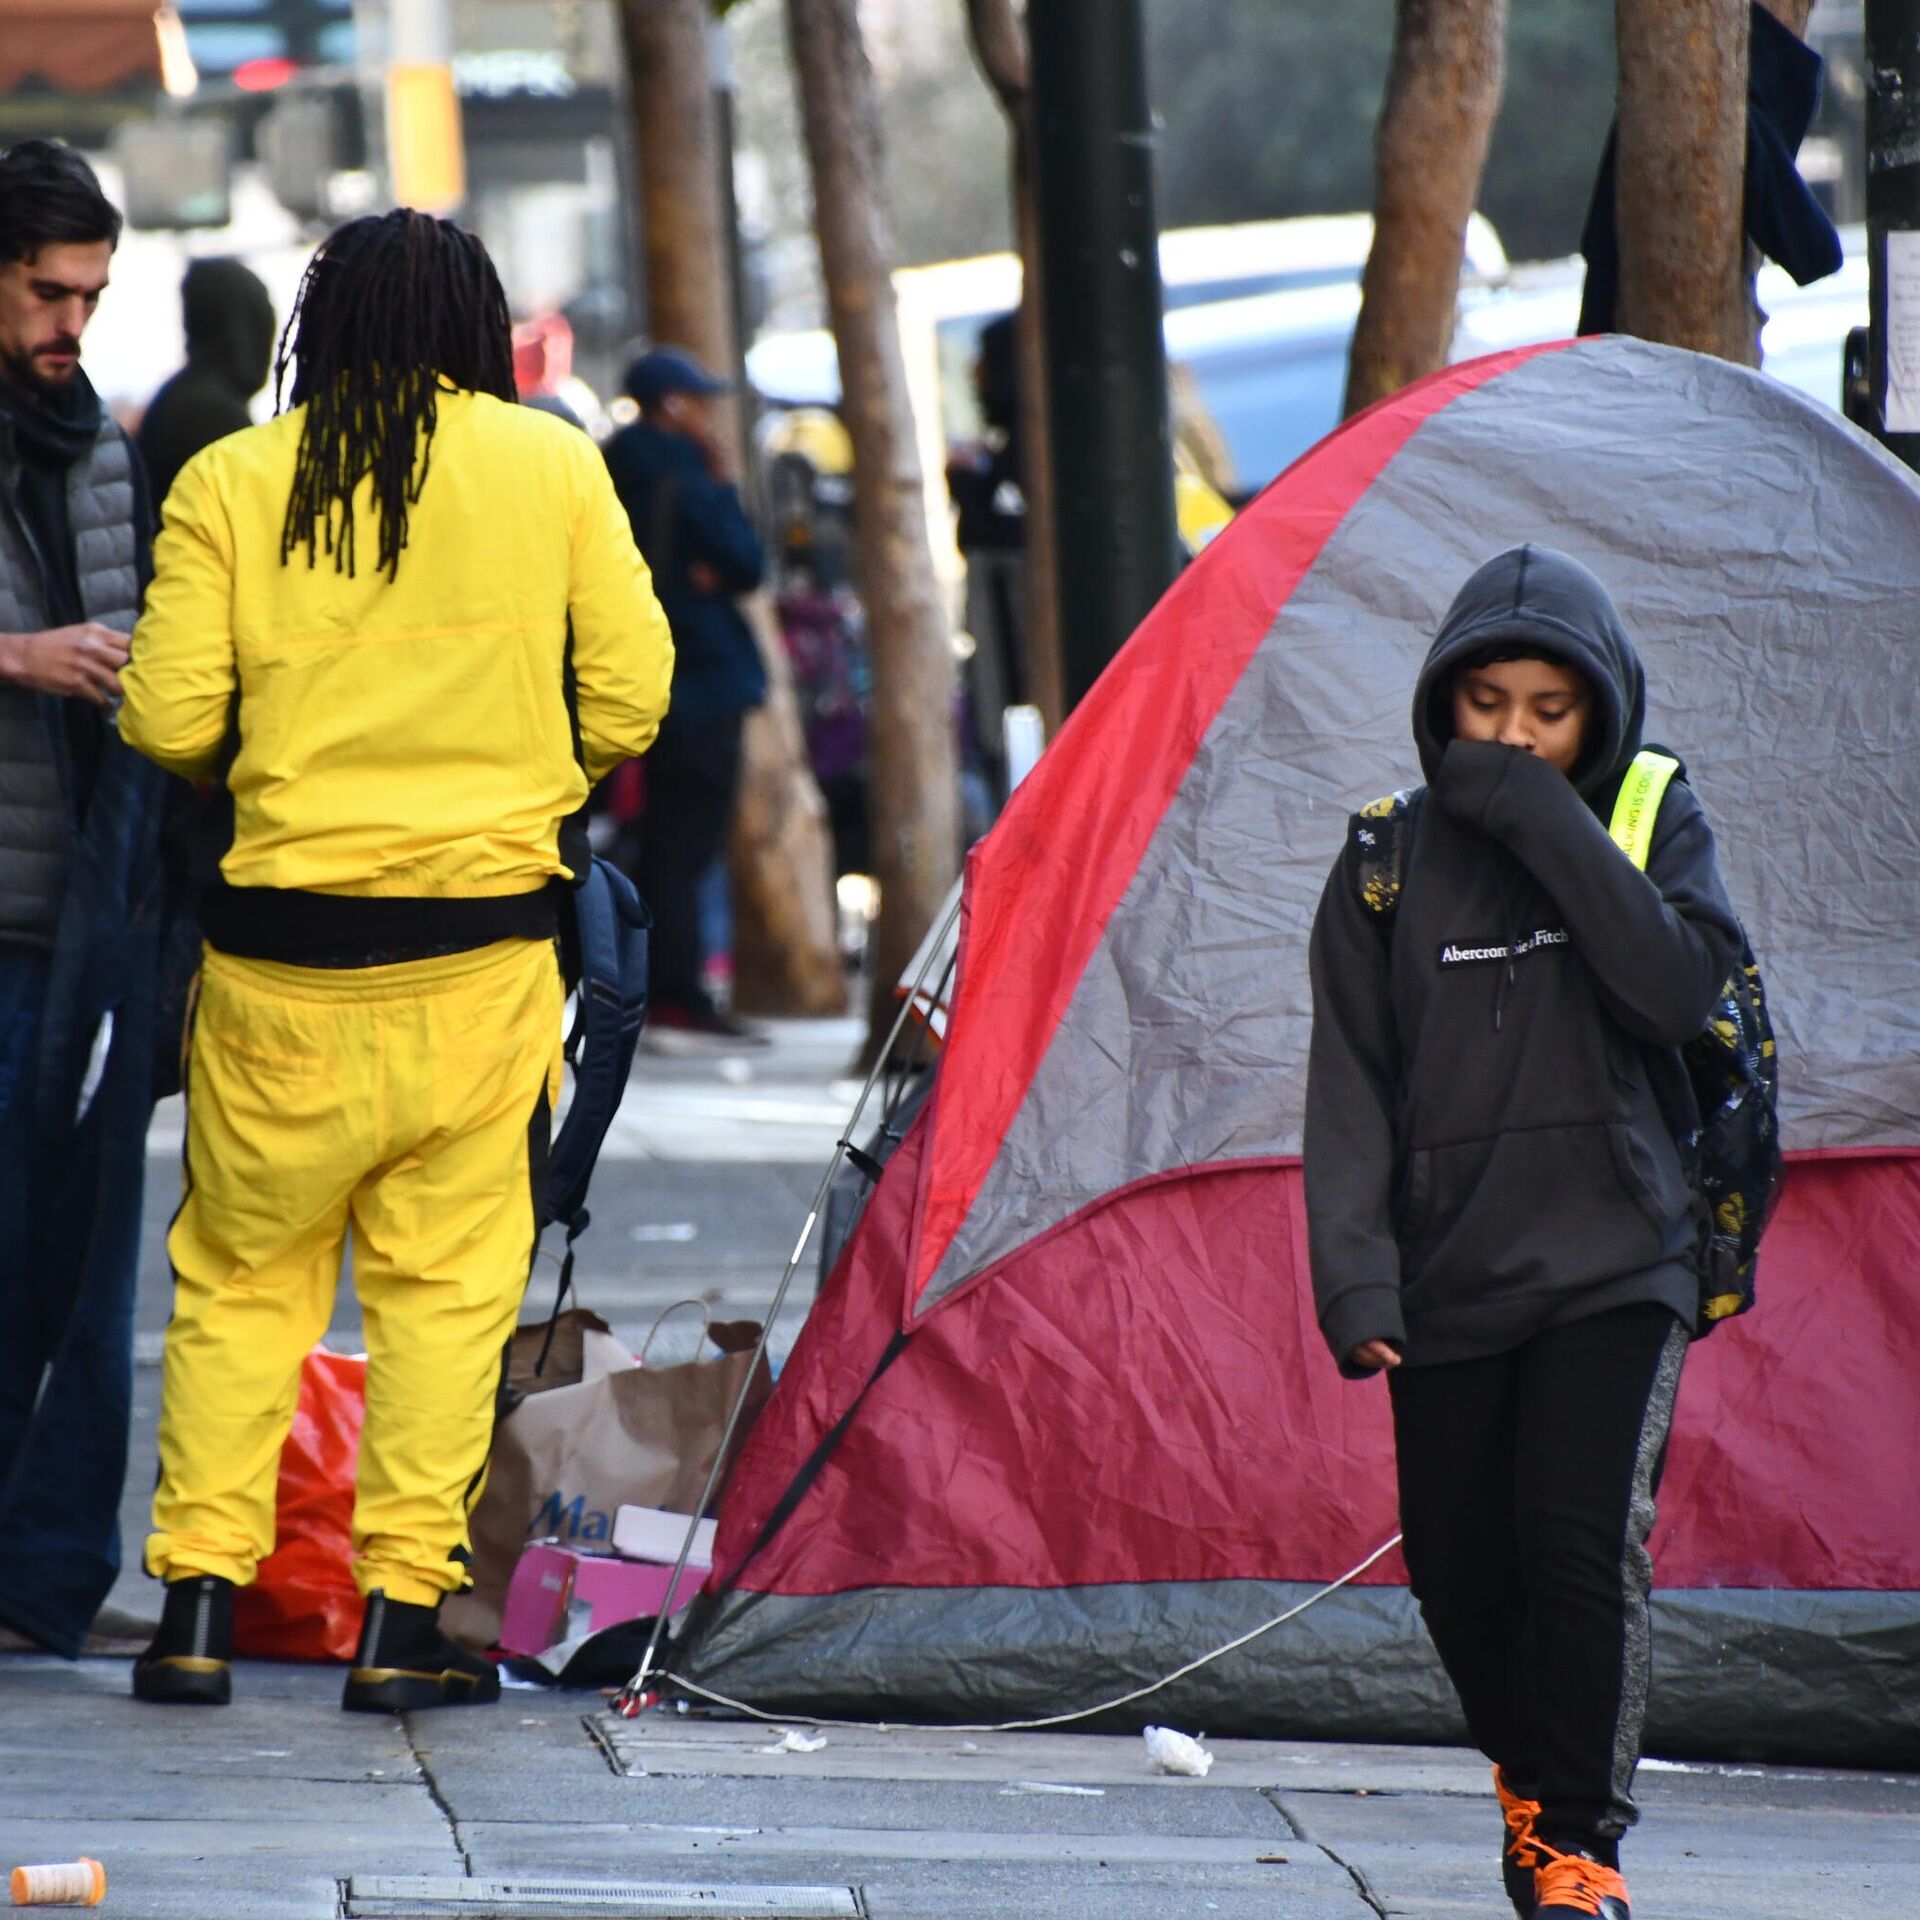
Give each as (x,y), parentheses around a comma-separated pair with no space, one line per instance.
(1175,1752)
(793,1741)
(66,1883)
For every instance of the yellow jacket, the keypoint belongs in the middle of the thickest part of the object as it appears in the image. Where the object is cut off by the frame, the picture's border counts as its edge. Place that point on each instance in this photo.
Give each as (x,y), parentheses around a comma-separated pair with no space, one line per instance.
(407,737)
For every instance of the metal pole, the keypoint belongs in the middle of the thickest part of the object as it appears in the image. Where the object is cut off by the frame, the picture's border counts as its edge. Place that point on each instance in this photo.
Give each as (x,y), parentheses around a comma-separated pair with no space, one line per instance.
(1893,223)
(1106,357)
(425,150)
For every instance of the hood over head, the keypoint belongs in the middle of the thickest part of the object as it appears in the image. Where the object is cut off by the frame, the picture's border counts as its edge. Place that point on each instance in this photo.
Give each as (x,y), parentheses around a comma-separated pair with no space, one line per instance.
(230,323)
(1534,600)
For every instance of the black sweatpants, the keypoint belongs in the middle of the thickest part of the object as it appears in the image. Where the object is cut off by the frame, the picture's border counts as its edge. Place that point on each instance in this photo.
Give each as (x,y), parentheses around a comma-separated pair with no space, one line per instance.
(1526,1498)
(691,777)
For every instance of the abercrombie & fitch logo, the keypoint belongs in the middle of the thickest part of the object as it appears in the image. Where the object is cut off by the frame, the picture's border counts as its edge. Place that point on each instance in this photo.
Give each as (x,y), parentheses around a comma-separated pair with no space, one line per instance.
(1455,954)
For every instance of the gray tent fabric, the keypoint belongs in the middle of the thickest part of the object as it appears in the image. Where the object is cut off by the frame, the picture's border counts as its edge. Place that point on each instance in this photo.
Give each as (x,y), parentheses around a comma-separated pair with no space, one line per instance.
(1821,1678)
(1764,554)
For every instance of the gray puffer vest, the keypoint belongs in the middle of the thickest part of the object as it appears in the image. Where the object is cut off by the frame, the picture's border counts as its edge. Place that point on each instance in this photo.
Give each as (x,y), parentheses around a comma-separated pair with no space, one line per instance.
(39,804)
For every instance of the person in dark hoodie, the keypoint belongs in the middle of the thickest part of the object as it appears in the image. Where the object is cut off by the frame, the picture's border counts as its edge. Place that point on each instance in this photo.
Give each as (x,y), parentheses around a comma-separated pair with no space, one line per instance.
(674,476)
(230,328)
(230,332)
(1498,1214)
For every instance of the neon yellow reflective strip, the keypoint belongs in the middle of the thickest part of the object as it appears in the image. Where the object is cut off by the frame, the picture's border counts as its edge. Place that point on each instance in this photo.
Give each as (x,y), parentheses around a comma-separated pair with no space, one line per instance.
(1638,807)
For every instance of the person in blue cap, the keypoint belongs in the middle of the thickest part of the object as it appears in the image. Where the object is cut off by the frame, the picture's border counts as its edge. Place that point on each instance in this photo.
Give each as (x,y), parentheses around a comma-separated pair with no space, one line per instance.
(673,475)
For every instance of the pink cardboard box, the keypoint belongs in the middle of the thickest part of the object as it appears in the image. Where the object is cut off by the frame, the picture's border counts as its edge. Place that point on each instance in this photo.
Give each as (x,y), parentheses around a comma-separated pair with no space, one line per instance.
(558,1594)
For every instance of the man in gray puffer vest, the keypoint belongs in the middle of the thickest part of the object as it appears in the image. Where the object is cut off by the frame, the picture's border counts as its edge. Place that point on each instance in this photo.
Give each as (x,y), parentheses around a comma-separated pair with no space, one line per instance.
(79,911)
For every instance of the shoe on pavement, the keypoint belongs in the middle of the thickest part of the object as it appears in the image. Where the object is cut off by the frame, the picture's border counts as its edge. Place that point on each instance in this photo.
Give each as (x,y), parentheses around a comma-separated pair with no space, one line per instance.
(405,1663)
(1575,1886)
(1520,1850)
(676,1028)
(189,1661)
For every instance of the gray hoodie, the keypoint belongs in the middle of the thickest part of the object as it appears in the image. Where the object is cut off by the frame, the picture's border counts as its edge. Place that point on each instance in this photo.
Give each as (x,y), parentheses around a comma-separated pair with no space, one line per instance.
(1488,1147)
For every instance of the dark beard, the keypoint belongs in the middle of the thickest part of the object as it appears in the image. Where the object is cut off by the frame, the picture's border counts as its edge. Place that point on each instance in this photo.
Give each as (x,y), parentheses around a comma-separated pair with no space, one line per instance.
(52,422)
(21,371)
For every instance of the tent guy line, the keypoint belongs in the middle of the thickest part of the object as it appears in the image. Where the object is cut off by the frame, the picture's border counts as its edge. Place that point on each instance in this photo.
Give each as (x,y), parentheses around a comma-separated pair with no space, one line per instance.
(628,1701)
(1053,1719)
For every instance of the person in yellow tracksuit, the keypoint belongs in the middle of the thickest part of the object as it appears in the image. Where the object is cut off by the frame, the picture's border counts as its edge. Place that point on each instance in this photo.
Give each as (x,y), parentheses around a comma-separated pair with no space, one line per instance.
(406,623)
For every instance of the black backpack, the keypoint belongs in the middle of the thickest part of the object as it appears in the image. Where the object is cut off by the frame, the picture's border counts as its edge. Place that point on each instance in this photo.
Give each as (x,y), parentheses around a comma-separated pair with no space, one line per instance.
(1730,1140)
(604,939)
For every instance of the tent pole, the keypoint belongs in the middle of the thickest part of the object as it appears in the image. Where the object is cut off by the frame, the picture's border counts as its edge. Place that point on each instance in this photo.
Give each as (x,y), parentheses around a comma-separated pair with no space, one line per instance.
(633,1695)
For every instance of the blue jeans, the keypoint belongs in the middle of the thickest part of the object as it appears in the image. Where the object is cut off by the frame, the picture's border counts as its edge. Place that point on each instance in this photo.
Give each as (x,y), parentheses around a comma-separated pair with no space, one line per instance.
(69,1263)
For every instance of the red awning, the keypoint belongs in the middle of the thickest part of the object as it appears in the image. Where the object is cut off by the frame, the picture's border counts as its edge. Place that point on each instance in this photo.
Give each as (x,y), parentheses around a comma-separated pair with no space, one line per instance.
(80,46)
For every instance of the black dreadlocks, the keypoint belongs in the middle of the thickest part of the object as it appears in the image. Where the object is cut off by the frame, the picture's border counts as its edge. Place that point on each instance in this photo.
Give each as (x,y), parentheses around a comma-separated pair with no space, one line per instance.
(394,309)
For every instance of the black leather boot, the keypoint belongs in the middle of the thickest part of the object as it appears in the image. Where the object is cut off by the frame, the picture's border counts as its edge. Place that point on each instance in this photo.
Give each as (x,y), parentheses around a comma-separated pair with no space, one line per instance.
(190,1660)
(406,1663)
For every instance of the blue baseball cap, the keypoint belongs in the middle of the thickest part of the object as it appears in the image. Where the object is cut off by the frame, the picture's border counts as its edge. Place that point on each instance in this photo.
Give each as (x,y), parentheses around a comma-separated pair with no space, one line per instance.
(664,370)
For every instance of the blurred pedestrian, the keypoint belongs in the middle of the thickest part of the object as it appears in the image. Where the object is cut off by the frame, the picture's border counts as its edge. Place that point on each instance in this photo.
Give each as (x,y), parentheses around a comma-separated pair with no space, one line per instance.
(426,601)
(543,365)
(230,329)
(674,478)
(79,820)
(986,482)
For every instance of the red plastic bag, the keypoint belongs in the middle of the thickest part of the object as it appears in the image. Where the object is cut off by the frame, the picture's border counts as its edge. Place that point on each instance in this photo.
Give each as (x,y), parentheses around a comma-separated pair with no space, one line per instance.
(303,1604)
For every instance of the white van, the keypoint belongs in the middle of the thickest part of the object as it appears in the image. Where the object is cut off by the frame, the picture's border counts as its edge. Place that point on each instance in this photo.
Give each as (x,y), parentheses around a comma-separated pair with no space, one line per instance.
(1802,345)
(1258,317)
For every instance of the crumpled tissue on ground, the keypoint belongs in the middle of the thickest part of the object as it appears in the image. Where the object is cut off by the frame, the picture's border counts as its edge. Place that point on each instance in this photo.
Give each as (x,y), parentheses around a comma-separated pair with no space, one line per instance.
(793,1741)
(1175,1752)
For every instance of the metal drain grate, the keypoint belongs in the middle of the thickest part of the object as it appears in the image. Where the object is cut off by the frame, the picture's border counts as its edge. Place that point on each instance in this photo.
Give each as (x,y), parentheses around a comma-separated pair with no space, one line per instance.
(404,1897)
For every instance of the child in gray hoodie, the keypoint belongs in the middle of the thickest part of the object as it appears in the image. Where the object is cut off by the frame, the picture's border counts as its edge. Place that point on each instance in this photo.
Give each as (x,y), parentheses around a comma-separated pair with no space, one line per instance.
(1498,1213)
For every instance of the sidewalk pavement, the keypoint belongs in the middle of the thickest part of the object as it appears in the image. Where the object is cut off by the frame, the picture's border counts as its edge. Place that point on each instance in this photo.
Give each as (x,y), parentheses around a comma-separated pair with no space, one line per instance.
(268,1809)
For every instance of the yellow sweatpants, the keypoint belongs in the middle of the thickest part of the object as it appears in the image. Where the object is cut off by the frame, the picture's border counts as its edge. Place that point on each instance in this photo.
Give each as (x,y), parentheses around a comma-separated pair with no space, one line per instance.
(407,1104)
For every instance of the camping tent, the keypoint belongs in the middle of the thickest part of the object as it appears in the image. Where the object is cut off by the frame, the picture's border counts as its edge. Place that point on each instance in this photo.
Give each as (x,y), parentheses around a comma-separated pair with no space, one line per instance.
(1061,1419)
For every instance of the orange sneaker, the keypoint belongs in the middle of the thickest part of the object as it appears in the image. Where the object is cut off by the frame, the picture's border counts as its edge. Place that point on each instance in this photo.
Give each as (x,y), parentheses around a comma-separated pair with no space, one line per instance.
(1567,1885)
(1520,1853)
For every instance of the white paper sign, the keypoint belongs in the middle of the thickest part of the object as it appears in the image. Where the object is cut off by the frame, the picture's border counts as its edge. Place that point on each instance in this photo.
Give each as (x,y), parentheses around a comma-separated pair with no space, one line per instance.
(1903,333)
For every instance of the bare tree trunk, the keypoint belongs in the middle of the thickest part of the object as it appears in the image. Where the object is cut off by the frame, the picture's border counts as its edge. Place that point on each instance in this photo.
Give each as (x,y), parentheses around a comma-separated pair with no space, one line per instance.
(786,953)
(786,923)
(1443,91)
(1793,15)
(1000,45)
(676,134)
(1681,176)
(913,782)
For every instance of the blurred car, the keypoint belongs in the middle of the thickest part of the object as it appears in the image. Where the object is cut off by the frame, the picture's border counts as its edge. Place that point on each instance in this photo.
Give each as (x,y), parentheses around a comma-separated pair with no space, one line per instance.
(1199,266)
(1258,316)
(1254,382)
(1802,344)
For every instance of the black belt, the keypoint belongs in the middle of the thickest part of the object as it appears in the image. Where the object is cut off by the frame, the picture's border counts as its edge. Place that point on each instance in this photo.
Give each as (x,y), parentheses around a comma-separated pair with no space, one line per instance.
(366,930)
